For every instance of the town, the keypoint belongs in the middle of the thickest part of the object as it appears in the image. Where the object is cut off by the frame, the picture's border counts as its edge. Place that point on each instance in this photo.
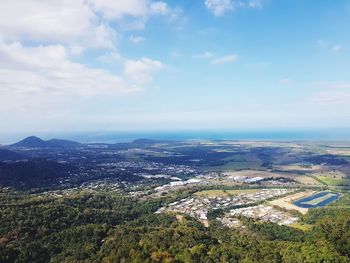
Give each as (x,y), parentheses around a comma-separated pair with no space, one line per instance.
(199,206)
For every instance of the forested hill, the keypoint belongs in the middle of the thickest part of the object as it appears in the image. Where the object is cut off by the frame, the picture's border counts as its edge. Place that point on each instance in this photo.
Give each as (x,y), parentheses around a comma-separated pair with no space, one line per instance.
(35,173)
(7,155)
(35,142)
(107,227)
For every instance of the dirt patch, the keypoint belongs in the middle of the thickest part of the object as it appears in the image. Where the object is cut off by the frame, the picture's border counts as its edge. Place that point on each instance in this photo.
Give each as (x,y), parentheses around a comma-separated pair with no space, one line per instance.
(287,201)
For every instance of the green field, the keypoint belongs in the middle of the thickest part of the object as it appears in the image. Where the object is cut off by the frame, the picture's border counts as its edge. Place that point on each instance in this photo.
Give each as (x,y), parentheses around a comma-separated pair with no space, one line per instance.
(333,181)
(302,226)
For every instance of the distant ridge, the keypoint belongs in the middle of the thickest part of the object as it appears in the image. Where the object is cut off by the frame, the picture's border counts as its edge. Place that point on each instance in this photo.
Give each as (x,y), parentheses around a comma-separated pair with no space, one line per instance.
(147,141)
(35,142)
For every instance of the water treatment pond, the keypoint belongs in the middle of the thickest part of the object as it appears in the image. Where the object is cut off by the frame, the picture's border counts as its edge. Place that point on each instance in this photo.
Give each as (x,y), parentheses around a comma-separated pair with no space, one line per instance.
(317,200)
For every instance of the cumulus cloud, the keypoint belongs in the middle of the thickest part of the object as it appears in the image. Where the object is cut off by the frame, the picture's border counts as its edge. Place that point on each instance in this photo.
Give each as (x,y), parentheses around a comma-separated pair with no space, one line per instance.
(225,59)
(46,72)
(255,3)
(160,8)
(136,39)
(111,9)
(140,71)
(331,93)
(215,59)
(139,10)
(220,7)
(75,22)
(40,45)
(46,22)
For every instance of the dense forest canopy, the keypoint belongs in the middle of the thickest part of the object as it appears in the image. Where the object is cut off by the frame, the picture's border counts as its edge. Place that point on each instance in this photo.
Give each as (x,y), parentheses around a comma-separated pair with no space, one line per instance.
(106,227)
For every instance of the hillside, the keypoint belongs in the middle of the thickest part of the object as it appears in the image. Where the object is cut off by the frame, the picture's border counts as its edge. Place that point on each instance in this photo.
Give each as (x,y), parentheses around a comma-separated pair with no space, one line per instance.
(35,142)
(7,155)
(32,174)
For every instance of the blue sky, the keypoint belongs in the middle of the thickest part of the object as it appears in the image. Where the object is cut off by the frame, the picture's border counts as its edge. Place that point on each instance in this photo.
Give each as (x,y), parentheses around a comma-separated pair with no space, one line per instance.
(103,65)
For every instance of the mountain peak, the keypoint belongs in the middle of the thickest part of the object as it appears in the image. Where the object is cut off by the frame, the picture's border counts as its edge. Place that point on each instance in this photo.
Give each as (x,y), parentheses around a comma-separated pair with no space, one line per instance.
(35,142)
(31,141)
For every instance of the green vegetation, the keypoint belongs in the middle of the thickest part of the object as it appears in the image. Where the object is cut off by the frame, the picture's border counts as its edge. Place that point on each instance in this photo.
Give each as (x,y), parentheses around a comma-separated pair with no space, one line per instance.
(106,227)
(333,181)
(302,226)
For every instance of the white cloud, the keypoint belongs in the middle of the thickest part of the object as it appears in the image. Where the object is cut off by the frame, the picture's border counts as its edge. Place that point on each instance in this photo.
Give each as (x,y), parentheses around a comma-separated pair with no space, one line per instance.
(332,93)
(255,3)
(110,57)
(44,79)
(205,55)
(85,23)
(139,10)
(112,9)
(55,21)
(334,97)
(136,39)
(335,48)
(47,71)
(225,59)
(140,71)
(220,7)
(117,9)
(160,8)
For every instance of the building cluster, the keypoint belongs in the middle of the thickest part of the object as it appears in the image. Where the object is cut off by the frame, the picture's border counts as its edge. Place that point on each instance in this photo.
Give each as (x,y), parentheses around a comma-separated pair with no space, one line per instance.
(179,183)
(265,213)
(198,207)
(245,179)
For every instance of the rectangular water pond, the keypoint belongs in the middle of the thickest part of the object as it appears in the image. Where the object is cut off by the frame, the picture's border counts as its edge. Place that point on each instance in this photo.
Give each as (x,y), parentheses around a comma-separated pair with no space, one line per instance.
(317,200)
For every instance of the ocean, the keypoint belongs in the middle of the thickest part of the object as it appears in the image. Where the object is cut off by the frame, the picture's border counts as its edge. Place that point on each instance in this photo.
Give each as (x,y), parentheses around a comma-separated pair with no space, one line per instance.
(128,136)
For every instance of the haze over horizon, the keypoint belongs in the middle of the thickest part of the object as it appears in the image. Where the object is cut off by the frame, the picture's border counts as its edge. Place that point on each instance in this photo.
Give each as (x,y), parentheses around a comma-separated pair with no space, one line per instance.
(146,65)
(111,137)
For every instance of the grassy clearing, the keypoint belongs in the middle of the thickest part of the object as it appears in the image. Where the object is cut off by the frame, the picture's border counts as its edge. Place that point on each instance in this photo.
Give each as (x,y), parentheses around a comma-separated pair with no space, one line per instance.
(304,179)
(209,193)
(333,181)
(287,201)
(302,226)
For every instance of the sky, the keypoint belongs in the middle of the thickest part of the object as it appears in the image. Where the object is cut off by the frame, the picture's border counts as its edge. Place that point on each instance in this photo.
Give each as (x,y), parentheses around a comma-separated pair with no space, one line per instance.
(129,65)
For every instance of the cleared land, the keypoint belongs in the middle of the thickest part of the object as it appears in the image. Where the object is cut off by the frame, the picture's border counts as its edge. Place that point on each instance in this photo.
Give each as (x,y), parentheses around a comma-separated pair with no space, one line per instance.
(238,162)
(303,227)
(303,179)
(298,168)
(287,201)
(333,179)
(209,193)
